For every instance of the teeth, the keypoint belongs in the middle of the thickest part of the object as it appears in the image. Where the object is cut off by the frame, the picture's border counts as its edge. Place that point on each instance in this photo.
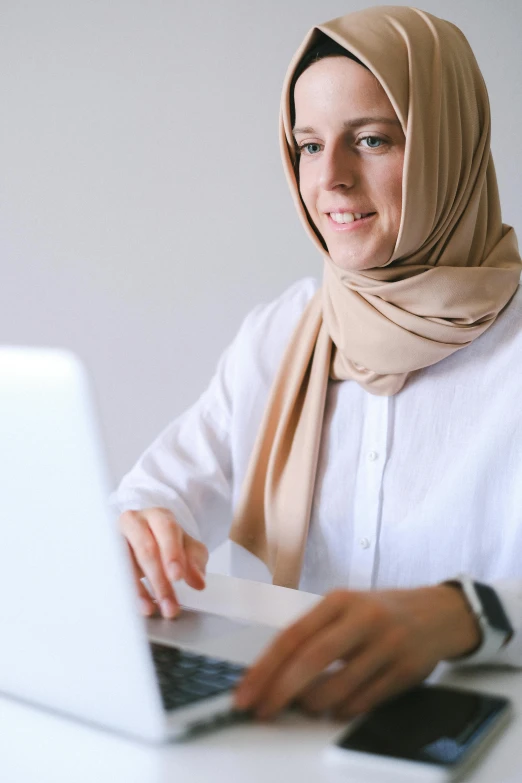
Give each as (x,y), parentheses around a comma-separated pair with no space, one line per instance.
(342,217)
(345,217)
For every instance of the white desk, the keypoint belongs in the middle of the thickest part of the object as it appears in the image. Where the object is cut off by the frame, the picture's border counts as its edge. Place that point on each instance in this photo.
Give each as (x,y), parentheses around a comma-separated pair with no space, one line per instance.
(37,746)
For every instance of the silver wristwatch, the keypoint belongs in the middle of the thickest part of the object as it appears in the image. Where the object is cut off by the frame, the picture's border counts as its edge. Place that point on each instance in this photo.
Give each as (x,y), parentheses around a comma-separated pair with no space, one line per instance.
(487,608)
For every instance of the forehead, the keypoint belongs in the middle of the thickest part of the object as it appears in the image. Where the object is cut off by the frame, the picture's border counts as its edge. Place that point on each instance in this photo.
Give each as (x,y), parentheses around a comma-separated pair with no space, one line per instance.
(336,84)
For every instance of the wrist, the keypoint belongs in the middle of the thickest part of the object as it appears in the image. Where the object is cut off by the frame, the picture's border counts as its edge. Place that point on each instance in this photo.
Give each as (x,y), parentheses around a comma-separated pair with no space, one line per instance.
(461,634)
(495,626)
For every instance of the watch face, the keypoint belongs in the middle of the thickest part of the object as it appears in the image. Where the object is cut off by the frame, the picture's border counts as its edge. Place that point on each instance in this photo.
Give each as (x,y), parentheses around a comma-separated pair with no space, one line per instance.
(493,608)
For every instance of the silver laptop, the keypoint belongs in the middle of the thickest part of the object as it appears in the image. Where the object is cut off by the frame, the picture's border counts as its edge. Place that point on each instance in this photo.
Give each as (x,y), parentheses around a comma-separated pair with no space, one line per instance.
(72,638)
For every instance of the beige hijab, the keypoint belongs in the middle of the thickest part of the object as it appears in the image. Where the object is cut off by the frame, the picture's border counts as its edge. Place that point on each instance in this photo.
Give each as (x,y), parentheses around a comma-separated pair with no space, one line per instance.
(454,268)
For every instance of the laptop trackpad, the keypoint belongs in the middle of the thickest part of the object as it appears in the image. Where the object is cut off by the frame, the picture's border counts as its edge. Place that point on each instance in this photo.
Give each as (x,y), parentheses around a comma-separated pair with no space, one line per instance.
(211,634)
(192,627)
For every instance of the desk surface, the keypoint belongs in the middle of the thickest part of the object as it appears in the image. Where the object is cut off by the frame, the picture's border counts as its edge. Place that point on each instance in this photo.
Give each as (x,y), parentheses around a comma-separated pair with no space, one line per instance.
(35,745)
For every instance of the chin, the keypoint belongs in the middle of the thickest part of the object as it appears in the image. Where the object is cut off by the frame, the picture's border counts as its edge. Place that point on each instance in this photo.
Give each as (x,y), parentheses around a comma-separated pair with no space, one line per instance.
(351,264)
(362,261)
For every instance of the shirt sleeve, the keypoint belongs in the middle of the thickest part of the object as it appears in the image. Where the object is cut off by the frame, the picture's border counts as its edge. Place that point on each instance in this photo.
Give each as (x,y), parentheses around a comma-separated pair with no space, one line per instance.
(196,465)
(187,469)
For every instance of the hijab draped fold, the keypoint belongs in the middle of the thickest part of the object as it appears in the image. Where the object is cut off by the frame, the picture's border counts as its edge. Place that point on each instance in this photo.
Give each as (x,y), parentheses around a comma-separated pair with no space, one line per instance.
(455,266)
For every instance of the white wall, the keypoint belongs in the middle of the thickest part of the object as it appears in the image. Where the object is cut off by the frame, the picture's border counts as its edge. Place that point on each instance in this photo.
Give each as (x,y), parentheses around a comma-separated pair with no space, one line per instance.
(143,209)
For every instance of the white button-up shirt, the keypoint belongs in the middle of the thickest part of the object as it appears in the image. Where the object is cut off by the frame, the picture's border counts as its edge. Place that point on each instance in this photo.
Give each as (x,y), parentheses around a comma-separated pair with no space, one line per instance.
(410,489)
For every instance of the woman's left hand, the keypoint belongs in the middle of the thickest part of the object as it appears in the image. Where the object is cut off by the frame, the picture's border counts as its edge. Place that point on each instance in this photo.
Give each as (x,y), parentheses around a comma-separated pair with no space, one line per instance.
(384,642)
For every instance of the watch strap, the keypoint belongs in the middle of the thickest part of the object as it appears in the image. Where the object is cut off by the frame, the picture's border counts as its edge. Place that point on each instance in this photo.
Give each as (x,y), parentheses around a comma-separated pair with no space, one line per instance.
(495,627)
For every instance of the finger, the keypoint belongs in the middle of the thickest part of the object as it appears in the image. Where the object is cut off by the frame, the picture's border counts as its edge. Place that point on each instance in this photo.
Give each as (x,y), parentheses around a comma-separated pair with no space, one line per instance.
(148,557)
(282,650)
(197,558)
(145,601)
(315,654)
(337,688)
(170,539)
(388,683)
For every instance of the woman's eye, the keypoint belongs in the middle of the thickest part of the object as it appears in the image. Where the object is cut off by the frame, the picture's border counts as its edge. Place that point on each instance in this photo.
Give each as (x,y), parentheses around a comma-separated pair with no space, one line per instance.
(373,142)
(311,149)
(370,142)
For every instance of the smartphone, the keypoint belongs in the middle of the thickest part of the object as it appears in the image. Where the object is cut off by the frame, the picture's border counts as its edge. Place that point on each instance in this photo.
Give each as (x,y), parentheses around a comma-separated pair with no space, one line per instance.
(430,733)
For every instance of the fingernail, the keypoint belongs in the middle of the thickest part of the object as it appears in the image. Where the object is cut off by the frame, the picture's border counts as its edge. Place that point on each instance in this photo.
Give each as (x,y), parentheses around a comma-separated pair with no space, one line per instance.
(148,587)
(242,697)
(174,571)
(199,569)
(240,701)
(146,607)
(168,608)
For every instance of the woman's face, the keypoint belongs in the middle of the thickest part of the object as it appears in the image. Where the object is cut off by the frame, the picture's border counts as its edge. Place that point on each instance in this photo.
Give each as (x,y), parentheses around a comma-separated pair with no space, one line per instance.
(350,162)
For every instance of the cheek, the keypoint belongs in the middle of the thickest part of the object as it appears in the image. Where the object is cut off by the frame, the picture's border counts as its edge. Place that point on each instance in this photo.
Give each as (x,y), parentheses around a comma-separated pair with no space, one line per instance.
(306,190)
(396,189)
(388,191)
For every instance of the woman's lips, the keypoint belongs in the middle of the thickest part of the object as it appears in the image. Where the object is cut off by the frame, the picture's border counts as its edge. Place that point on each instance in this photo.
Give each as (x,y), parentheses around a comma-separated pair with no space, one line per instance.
(350,226)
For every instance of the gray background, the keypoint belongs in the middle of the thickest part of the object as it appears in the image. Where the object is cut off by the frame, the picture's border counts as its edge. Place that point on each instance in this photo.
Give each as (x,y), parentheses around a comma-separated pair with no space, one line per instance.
(143,208)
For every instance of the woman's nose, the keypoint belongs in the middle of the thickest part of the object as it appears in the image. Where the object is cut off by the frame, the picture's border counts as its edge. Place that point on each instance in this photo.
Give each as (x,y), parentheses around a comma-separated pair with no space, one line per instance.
(338,168)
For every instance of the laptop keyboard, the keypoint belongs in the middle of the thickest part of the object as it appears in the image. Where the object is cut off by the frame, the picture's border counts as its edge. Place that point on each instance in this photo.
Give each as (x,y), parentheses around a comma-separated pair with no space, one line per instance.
(185,677)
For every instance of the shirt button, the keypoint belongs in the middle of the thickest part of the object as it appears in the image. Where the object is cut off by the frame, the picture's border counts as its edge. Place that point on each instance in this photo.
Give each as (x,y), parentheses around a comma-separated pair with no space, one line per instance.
(372,456)
(365,543)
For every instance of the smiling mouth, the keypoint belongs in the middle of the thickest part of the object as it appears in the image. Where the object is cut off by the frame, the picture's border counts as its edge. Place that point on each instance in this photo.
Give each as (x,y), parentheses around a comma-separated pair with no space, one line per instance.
(348,217)
(348,221)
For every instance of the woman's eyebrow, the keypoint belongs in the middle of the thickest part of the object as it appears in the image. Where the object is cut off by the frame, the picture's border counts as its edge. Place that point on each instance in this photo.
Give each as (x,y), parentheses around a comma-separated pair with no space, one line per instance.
(355,123)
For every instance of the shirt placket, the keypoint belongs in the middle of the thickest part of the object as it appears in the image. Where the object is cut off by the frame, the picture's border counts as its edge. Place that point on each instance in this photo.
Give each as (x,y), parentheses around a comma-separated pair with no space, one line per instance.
(368,492)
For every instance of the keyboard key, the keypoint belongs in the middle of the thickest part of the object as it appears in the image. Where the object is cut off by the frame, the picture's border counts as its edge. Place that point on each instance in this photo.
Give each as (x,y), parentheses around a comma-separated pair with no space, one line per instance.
(186,677)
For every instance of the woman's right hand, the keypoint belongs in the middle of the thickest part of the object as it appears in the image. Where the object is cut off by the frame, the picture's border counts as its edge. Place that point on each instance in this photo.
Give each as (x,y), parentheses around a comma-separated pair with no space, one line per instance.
(161,551)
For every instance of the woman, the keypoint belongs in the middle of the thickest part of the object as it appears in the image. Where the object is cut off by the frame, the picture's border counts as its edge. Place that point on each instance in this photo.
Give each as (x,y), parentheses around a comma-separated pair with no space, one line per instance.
(364,437)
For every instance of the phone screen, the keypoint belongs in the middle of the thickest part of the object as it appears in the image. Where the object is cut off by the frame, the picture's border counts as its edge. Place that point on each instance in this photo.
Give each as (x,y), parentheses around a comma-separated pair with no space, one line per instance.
(431,724)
